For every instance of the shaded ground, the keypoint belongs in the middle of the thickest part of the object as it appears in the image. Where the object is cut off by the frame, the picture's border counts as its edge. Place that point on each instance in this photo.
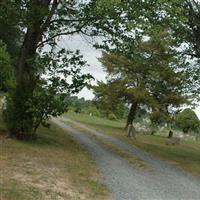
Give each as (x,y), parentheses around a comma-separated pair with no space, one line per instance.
(129,182)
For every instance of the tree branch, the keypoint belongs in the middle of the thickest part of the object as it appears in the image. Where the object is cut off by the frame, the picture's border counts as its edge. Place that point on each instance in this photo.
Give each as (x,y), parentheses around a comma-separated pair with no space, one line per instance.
(52,12)
(57,35)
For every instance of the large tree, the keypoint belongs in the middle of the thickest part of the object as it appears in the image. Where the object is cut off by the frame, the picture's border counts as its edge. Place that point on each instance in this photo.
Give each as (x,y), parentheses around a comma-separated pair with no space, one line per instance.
(41,24)
(149,72)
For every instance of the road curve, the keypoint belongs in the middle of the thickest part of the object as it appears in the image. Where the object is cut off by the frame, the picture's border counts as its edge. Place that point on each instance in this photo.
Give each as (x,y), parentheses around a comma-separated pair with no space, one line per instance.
(129,182)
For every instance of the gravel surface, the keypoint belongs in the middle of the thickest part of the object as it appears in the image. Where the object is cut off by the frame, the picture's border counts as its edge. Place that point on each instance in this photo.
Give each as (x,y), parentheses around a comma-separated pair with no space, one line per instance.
(129,182)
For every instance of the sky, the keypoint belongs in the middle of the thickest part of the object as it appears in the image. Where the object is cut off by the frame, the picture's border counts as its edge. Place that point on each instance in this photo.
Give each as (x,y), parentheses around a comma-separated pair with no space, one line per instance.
(91,55)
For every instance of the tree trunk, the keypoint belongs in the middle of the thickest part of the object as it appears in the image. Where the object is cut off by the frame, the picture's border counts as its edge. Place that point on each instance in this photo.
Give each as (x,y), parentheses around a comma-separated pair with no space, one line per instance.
(21,114)
(25,84)
(131,132)
(153,132)
(170,134)
(131,116)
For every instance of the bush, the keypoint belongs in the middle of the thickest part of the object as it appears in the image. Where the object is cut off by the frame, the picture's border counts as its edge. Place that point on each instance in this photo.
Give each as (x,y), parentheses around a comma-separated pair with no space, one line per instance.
(158,118)
(112,116)
(187,120)
(91,110)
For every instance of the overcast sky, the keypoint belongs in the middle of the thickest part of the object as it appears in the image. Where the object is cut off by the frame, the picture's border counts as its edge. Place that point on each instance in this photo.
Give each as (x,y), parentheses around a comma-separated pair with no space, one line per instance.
(91,55)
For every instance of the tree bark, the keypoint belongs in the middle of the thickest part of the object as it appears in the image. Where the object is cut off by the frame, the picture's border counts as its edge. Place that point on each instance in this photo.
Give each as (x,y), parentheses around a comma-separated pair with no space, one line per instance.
(25,85)
(170,134)
(131,132)
(131,116)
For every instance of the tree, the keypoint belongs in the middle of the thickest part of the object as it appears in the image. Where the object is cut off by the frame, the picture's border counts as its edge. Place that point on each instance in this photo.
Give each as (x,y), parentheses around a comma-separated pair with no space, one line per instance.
(42,23)
(183,18)
(182,21)
(107,99)
(187,120)
(149,73)
(49,94)
(82,106)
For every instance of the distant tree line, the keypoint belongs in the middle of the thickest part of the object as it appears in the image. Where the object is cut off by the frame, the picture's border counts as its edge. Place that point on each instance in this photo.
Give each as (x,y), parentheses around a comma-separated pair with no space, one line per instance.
(185,120)
(94,108)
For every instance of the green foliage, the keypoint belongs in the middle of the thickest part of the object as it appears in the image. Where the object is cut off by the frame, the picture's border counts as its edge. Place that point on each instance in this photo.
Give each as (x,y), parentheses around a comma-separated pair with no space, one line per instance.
(112,116)
(107,99)
(5,69)
(91,110)
(146,72)
(50,92)
(41,24)
(144,67)
(77,104)
(10,32)
(183,19)
(187,120)
(168,45)
(158,118)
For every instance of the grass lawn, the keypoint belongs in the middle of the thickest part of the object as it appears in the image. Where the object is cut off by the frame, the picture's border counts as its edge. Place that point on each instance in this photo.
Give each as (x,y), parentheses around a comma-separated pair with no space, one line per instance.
(50,168)
(185,155)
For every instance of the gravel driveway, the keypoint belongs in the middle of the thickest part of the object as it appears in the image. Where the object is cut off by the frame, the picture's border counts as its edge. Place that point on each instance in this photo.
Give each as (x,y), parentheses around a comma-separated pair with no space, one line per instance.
(129,182)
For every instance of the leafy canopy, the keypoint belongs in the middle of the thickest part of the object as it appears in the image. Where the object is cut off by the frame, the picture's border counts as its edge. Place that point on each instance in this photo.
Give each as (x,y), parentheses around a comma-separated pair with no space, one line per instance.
(5,66)
(187,120)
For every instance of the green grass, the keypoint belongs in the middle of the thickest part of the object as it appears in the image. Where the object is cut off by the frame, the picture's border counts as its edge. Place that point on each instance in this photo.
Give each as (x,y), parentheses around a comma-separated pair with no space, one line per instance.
(95,120)
(186,155)
(52,167)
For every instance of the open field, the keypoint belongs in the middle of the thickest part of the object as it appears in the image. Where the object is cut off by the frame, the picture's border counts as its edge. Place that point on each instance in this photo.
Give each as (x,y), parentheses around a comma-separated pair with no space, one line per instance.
(185,155)
(53,167)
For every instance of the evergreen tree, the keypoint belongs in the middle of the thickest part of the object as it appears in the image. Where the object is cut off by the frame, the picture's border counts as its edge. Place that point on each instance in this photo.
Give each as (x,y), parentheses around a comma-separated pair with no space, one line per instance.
(108,99)
(148,73)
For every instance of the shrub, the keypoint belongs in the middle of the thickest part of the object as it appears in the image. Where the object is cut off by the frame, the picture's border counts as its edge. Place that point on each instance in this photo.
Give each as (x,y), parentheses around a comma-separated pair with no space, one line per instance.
(187,120)
(112,116)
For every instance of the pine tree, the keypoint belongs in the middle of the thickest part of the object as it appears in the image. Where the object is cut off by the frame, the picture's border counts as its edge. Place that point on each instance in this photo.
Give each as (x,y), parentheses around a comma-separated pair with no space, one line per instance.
(148,73)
